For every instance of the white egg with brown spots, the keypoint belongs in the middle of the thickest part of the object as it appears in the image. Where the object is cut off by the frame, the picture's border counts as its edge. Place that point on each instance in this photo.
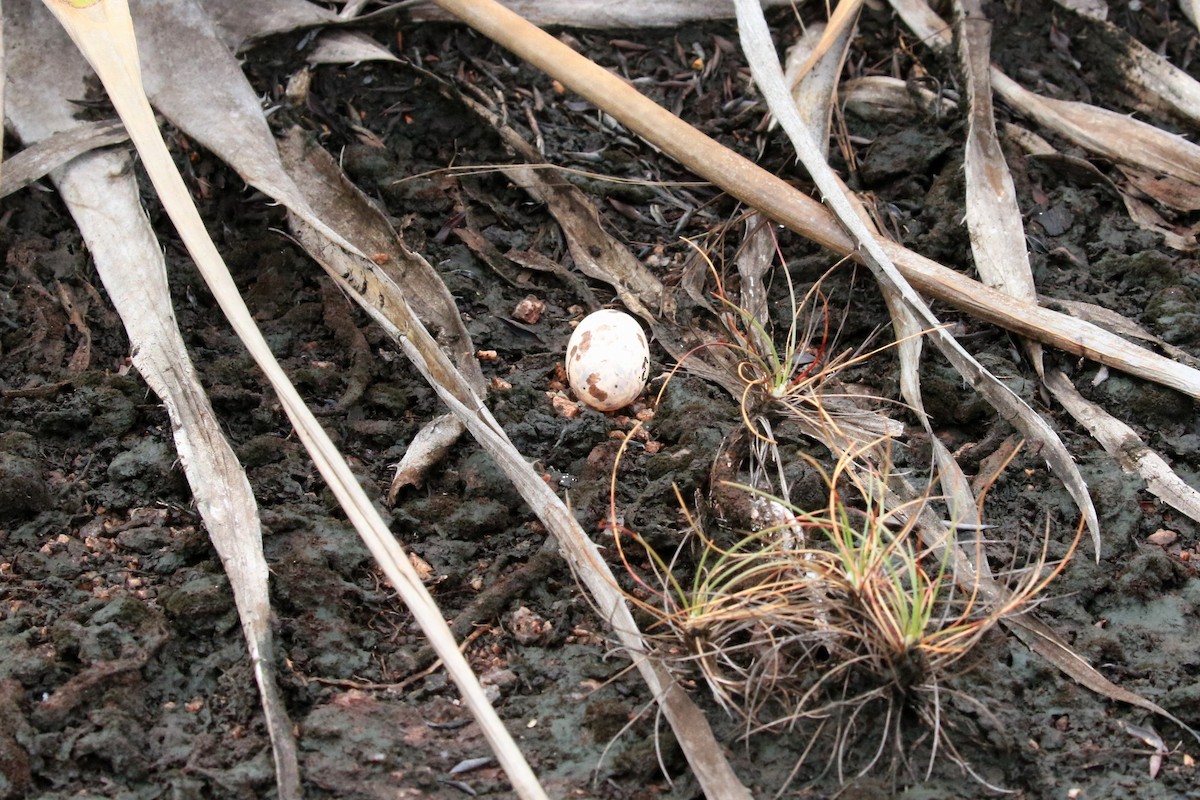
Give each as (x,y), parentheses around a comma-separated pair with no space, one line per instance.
(608,360)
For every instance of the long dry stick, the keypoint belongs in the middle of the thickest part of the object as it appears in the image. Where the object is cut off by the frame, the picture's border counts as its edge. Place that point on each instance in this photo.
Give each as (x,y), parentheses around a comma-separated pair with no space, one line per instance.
(777,199)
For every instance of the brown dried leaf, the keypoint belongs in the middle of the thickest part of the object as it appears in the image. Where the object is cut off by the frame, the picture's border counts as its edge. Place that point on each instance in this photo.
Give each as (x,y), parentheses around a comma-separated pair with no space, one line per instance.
(1166,189)
(347,47)
(814,65)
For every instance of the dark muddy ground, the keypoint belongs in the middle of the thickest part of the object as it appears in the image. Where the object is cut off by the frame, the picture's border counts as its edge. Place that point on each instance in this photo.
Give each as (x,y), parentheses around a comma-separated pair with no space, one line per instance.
(123,672)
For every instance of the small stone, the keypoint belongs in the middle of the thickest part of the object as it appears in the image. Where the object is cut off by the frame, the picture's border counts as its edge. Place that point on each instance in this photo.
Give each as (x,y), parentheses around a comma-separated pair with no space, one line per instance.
(564,406)
(529,310)
(528,627)
(1163,537)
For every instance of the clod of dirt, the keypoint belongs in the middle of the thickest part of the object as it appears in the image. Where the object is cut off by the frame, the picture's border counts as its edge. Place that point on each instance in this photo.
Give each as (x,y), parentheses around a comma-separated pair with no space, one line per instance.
(23,490)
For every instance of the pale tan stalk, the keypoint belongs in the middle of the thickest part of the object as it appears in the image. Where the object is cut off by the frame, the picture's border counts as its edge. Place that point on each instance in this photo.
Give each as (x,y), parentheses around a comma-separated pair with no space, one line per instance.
(103,31)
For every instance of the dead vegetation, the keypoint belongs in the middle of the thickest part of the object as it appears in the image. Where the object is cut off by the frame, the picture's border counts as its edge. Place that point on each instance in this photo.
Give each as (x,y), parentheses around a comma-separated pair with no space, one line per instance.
(817,618)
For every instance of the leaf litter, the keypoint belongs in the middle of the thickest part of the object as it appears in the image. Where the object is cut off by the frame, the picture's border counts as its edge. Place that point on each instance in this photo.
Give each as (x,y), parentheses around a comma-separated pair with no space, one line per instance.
(828,235)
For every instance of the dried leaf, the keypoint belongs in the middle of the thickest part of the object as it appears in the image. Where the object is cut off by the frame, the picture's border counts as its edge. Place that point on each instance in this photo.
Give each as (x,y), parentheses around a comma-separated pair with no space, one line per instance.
(102,194)
(1166,189)
(813,66)
(834,39)
(399,271)
(605,13)
(425,451)
(239,22)
(993,217)
(347,47)
(104,33)
(1112,321)
(37,159)
(1126,447)
(878,97)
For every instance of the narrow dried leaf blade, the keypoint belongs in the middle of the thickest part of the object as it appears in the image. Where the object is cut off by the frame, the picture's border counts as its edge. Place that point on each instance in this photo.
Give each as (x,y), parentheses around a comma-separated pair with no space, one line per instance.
(347,47)
(993,216)
(38,159)
(104,33)
(1126,447)
(1042,640)
(102,194)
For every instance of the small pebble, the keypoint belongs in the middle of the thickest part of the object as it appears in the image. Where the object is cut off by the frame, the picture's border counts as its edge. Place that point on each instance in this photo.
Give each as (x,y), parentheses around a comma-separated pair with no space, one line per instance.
(1162,537)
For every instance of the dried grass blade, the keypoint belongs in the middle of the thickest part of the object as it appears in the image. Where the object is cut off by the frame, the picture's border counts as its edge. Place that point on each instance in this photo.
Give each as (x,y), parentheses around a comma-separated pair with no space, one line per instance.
(764,66)
(993,217)
(104,33)
(101,192)
(241,21)
(325,189)
(1114,136)
(1126,447)
(814,65)
(960,497)
(1191,10)
(754,258)
(387,306)
(835,38)
(881,97)
(629,14)
(37,159)
(1112,321)
(347,47)
(103,197)
(1158,84)
(1049,327)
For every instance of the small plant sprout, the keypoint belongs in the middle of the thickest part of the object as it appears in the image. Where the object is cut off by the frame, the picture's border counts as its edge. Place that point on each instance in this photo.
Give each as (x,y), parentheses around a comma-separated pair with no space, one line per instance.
(788,371)
(842,624)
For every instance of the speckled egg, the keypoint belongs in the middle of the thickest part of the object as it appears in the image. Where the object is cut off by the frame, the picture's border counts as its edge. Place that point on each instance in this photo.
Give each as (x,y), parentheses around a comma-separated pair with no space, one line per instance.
(608,360)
